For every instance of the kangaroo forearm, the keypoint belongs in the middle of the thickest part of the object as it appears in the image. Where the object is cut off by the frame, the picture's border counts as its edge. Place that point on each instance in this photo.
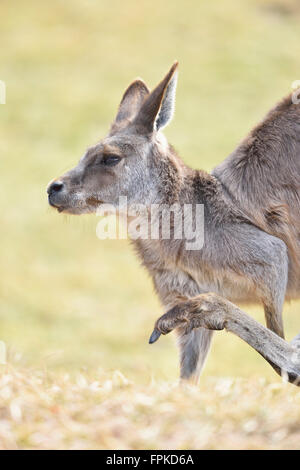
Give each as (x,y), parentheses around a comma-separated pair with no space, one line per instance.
(281,355)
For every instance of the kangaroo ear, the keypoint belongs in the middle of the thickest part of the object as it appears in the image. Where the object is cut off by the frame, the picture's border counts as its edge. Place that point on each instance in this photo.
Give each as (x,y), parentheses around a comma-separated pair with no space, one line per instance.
(131,101)
(158,108)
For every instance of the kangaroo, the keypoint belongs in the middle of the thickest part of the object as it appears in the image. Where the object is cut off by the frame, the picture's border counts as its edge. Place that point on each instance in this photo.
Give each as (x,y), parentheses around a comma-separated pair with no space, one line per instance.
(251,201)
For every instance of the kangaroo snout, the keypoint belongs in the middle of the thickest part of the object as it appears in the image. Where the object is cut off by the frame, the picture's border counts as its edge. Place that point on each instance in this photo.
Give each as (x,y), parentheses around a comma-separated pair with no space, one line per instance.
(55,187)
(54,191)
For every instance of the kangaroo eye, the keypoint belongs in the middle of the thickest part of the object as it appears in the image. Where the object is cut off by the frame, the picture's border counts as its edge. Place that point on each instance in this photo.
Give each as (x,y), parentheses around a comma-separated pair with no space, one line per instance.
(110,160)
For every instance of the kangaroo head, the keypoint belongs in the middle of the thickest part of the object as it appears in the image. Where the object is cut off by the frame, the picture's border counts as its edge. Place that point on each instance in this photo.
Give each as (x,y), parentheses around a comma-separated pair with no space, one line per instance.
(131,161)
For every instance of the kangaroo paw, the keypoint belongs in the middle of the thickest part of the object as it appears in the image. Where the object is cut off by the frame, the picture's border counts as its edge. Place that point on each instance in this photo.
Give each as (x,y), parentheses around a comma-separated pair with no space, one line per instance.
(206,311)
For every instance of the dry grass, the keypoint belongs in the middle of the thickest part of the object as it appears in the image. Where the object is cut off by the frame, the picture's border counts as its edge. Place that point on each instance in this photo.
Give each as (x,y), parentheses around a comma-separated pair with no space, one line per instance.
(44,411)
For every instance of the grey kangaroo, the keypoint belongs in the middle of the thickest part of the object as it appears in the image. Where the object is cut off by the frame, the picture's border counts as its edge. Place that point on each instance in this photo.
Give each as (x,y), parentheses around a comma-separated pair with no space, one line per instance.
(251,222)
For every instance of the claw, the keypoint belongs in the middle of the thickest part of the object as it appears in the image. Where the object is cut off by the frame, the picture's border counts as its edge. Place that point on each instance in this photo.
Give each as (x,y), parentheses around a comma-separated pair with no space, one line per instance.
(154,337)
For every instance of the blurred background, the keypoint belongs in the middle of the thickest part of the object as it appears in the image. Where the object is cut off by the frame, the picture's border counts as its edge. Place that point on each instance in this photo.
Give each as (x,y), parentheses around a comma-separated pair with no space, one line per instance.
(68,300)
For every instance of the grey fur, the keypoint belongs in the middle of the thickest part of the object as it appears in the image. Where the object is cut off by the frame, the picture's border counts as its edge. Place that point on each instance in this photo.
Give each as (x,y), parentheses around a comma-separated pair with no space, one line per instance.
(251,205)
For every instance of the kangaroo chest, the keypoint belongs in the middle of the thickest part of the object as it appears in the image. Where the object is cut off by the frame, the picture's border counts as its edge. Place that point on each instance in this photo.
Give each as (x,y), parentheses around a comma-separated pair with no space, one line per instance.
(175,271)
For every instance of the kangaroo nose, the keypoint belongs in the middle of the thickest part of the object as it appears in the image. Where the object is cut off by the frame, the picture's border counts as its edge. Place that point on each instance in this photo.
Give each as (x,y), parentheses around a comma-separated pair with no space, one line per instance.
(55,187)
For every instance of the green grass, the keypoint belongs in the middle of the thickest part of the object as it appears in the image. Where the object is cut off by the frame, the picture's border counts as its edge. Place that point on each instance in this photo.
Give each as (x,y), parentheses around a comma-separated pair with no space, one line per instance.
(68,300)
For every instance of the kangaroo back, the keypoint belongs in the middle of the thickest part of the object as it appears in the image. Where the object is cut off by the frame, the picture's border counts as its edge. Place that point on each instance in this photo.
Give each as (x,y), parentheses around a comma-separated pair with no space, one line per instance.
(262,176)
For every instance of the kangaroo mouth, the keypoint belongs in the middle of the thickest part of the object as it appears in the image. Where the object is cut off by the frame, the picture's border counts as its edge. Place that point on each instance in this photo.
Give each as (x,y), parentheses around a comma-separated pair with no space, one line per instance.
(89,205)
(55,206)
(58,208)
